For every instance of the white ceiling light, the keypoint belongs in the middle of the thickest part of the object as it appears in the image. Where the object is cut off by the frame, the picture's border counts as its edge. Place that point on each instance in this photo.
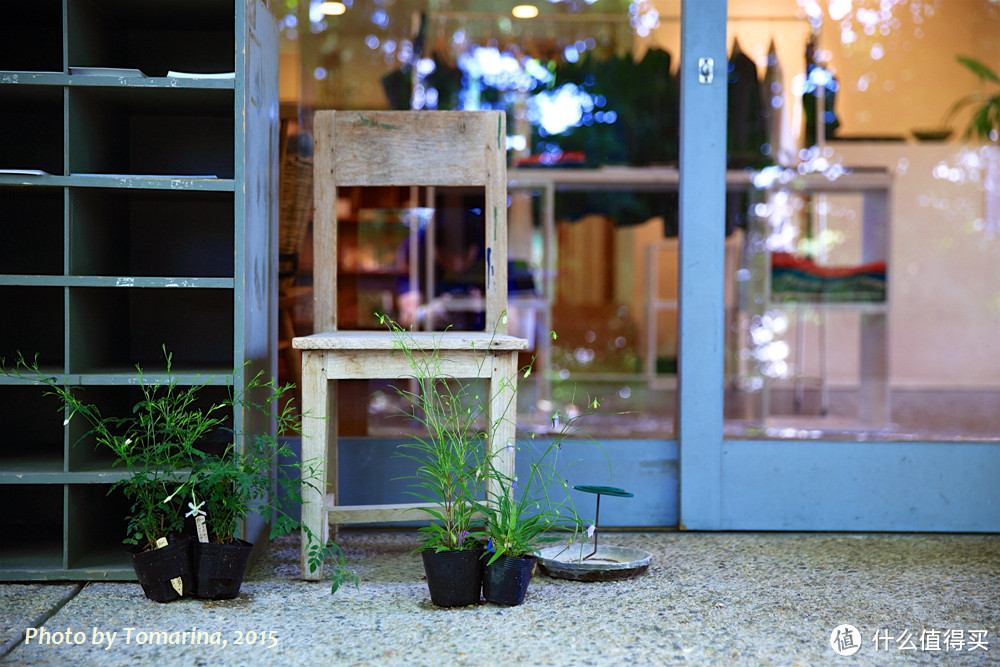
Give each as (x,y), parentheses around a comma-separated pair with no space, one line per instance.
(525,12)
(333,8)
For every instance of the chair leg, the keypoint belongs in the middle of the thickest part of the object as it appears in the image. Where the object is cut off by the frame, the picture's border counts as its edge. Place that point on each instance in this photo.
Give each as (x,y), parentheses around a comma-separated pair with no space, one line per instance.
(502,415)
(315,425)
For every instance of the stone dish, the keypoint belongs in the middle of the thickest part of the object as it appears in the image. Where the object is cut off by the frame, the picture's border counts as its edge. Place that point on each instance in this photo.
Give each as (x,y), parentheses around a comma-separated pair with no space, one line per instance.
(608,564)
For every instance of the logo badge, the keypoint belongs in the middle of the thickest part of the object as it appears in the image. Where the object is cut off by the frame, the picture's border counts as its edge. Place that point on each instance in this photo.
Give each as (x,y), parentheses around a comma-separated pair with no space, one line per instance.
(845,640)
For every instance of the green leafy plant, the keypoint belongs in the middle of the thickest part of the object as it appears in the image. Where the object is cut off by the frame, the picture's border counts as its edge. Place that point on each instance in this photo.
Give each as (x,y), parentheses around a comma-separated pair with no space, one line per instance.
(454,472)
(521,515)
(985,121)
(237,481)
(160,446)
(451,458)
(319,552)
(155,444)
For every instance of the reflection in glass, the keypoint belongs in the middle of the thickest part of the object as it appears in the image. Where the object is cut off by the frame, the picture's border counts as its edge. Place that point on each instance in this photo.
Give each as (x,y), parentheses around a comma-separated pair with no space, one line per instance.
(862,245)
(870,281)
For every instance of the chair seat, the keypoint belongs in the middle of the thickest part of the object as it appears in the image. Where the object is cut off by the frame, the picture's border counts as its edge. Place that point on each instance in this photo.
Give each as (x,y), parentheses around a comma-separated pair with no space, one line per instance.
(416,340)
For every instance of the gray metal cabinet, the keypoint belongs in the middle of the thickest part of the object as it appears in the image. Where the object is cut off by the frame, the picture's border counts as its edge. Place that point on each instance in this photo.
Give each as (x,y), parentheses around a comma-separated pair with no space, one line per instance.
(136,211)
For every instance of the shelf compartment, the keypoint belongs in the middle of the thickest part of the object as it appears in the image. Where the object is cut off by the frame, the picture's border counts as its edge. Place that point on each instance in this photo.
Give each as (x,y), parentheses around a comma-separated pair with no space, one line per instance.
(96,527)
(32,118)
(34,324)
(86,455)
(31,36)
(31,440)
(153,36)
(113,329)
(32,524)
(151,131)
(151,233)
(31,226)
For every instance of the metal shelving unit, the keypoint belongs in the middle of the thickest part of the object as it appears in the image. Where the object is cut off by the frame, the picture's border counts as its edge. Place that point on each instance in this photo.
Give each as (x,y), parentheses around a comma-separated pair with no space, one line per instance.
(137,210)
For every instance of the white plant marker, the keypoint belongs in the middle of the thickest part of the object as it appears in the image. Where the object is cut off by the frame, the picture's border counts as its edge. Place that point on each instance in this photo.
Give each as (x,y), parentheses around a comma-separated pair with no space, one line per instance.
(161,542)
(199,517)
(176,582)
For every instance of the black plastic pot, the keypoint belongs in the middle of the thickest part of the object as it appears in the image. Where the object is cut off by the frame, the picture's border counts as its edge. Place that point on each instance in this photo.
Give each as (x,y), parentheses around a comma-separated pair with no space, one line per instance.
(506,579)
(219,569)
(454,578)
(155,569)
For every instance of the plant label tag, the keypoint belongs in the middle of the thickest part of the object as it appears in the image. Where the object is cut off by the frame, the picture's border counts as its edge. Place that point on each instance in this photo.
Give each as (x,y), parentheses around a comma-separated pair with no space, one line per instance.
(199,523)
(199,517)
(176,582)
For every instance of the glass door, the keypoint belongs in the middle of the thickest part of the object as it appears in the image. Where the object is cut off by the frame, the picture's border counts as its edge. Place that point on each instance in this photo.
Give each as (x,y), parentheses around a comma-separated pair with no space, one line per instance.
(840,370)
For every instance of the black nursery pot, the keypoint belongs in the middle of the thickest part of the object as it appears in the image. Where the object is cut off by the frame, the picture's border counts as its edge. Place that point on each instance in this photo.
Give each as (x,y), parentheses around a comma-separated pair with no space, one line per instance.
(155,569)
(506,579)
(454,578)
(219,569)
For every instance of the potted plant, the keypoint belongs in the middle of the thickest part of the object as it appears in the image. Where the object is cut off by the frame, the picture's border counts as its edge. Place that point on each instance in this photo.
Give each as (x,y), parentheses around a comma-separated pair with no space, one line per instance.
(985,121)
(450,474)
(154,444)
(520,517)
(225,487)
(173,472)
(523,514)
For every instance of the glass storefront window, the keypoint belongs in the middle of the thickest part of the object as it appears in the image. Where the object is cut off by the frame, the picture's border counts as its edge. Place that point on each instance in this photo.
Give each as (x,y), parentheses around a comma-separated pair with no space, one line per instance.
(869,286)
(582,254)
(862,252)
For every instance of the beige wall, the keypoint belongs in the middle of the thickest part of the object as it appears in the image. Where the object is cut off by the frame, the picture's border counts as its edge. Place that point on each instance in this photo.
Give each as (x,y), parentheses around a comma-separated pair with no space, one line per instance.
(912,84)
(943,270)
(917,79)
(944,263)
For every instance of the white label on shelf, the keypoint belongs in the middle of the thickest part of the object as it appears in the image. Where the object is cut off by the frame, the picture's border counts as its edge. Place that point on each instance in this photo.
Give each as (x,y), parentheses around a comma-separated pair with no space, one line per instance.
(200,75)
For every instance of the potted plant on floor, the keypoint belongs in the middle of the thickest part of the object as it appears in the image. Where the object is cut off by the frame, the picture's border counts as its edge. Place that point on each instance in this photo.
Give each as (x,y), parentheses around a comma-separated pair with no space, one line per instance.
(523,514)
(173,472)
(520,517)
(450,473)
(155,445)
(225,487)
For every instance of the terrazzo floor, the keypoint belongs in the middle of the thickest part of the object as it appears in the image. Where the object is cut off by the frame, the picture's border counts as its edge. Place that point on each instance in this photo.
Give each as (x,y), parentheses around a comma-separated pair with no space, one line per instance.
(707,598)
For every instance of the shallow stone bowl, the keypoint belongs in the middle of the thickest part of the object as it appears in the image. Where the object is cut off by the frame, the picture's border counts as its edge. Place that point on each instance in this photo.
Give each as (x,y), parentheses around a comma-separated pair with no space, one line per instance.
(610,563)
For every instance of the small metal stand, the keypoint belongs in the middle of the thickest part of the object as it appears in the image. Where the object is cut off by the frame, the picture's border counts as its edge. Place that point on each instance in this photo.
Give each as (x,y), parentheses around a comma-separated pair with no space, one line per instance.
(601,491)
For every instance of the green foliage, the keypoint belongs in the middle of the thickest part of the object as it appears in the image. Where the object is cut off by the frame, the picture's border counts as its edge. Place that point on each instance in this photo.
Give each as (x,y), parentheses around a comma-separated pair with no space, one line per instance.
(238,481)
(316,549)
(454,471)
(451,459)
(317,552)
(154,444)
(160,445)
(520,514)
(984,123)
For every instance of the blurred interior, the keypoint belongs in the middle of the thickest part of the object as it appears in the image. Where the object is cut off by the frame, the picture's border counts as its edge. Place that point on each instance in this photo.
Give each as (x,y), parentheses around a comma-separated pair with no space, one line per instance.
(863,223)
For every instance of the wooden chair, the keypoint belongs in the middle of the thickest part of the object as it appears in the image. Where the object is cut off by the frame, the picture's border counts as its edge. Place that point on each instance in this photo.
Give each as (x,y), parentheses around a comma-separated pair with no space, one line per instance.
(401,148)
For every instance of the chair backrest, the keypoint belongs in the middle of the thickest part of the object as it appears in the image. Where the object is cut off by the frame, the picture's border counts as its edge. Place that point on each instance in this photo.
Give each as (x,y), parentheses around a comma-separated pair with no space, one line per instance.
(405,148)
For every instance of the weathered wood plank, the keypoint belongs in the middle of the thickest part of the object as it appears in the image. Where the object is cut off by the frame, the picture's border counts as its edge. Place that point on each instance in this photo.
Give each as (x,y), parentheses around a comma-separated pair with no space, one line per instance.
(447,148)
(416,340)
(315,423)
(383,364)
(324,226)
(347,514)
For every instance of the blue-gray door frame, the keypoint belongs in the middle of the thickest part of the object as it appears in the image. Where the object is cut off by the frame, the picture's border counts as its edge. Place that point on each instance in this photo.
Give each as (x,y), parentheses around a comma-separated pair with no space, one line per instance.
(784,485)
(700,274)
